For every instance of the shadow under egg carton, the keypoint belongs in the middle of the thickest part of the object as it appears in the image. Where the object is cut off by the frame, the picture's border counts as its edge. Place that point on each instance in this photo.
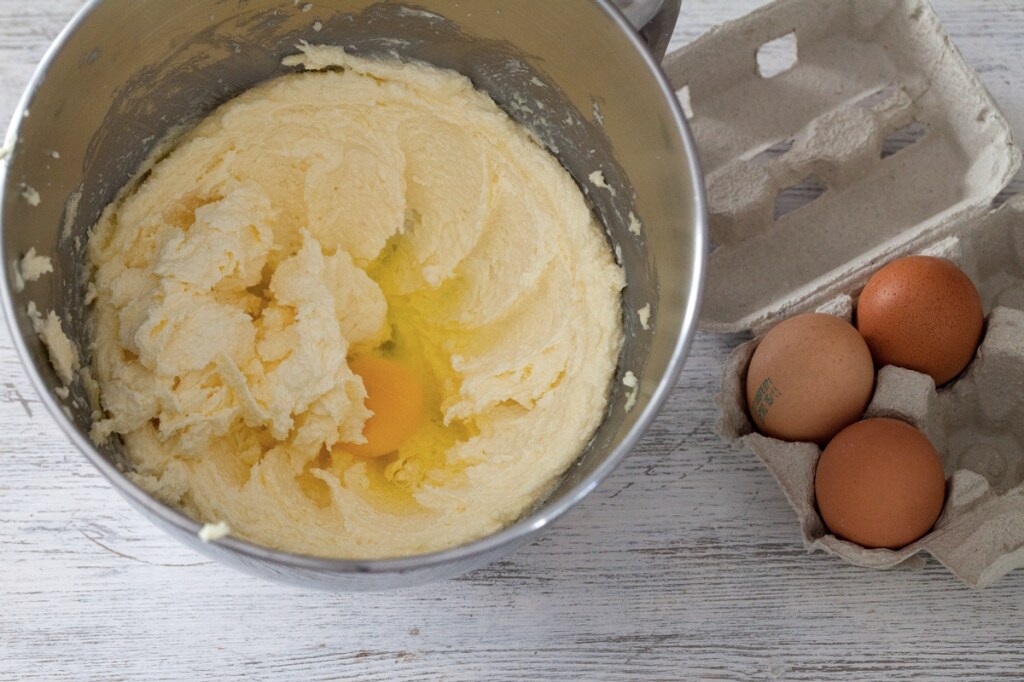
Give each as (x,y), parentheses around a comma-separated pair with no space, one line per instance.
(866,139)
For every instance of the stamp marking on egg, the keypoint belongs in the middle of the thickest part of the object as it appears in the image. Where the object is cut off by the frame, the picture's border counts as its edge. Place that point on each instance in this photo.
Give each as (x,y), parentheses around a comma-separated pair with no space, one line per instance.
(764,398)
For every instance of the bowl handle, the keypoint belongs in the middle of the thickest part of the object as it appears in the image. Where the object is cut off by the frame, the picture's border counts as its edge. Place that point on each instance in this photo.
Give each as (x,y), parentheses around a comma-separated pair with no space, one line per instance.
(657,31)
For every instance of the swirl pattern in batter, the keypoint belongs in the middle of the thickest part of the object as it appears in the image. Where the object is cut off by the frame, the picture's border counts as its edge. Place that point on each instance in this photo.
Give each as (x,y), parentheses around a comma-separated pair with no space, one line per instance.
(363,227)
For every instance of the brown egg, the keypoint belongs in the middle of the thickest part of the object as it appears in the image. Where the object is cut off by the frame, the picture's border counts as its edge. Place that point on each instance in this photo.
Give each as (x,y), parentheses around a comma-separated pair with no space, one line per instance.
(879,483)
(810,376)
(922,313)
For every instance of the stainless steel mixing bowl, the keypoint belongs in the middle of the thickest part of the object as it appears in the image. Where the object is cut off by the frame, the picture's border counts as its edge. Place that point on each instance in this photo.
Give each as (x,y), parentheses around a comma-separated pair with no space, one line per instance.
(126,72)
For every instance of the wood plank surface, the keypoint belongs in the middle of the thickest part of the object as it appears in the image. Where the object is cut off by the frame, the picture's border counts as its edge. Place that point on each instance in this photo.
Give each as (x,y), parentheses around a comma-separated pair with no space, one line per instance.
(685,564)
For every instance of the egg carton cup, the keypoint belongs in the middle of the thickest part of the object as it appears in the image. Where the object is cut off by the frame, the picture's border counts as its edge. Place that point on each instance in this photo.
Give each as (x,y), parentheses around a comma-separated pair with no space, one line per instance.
(871,140)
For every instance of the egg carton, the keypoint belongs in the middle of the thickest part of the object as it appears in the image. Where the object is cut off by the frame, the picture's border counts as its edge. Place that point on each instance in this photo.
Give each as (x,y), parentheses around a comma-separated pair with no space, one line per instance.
(835,137)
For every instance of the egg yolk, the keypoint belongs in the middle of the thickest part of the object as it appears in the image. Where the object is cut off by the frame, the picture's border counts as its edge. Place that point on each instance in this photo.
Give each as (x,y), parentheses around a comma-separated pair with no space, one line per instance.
(394,393)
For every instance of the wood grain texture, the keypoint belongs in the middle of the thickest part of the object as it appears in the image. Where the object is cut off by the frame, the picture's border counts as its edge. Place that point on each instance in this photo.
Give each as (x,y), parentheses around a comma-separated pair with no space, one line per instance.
(685,564)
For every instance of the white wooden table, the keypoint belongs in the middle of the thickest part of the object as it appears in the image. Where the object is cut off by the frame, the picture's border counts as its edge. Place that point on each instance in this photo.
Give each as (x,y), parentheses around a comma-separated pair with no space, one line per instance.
(686,563)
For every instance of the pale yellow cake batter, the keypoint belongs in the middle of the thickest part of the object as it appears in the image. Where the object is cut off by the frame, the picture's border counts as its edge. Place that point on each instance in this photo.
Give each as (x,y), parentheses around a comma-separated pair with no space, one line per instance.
(363,211)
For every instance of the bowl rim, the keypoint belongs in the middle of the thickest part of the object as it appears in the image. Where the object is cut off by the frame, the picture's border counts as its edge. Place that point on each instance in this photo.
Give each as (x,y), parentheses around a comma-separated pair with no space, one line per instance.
(524,527)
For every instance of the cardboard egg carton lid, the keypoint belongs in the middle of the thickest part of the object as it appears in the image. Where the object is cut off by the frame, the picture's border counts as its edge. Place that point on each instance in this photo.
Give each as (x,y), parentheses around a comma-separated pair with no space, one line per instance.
(875,142)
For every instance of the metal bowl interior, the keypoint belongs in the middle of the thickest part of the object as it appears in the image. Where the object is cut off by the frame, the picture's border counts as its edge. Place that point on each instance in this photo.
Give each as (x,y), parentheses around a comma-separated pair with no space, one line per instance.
(126,74)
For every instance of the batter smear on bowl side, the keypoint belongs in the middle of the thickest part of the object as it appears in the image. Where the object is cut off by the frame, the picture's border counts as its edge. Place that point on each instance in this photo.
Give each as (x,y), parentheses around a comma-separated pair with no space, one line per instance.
(357,312)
